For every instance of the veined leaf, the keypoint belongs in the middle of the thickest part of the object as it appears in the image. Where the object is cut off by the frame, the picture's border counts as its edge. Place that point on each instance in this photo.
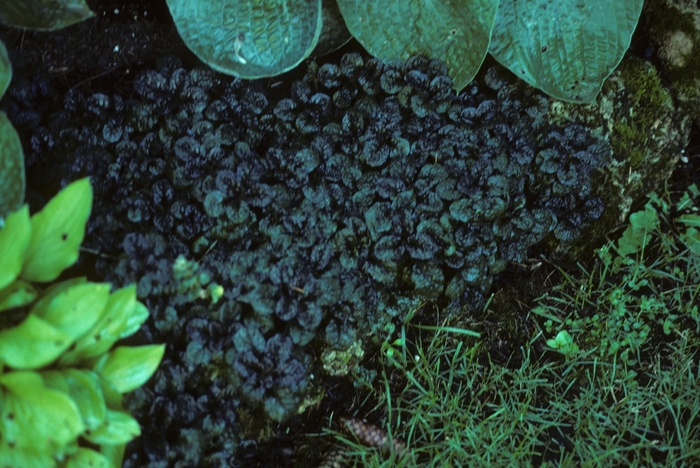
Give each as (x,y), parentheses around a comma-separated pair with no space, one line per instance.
(249,39)
(457,32)
(5,70)
(12,180)
(566,48)
(43,14)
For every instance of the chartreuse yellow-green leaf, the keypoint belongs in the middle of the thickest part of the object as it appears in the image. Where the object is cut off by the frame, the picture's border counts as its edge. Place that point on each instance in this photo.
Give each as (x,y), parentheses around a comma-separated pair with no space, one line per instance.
(136,313)
(113,398)
(32,344)
(118,428)
(75,310)
(113,453)
(14,241)
(43,14)
(87,458)
(25,457)
(122,317)
(37,417)
(57,232)
(127,368)
(17,294)
(83,386)
(53,290)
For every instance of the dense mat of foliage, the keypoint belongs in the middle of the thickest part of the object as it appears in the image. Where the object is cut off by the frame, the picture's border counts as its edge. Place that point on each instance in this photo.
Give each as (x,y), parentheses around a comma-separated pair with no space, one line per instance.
(325,212)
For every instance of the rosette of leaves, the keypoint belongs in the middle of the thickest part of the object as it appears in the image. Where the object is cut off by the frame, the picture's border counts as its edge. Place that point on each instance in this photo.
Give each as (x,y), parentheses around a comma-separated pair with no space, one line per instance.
(566,48)
(61,377)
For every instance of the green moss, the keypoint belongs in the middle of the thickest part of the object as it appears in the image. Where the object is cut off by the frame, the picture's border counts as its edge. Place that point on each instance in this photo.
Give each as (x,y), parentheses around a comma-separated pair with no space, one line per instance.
(340,362)
(640,115)
(640,290)
(635,113)
(255,424)
(675,31)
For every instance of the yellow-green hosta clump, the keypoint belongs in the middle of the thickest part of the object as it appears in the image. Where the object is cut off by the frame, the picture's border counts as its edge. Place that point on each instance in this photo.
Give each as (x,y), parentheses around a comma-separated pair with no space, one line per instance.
(61,379)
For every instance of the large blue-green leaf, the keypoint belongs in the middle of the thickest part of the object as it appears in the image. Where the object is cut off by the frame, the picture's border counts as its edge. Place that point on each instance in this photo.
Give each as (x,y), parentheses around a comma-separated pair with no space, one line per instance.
(43,14)
(455,31)
(11,168)
(249,38)
(566,48)
(334,33)
(5,70)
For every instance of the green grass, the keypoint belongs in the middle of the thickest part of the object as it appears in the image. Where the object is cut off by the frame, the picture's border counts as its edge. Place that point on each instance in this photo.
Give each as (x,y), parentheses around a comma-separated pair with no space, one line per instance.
(628,393)
(454,410)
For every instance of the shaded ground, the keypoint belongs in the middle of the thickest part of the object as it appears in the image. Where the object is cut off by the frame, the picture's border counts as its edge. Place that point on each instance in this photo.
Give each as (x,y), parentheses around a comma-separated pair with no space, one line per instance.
(106,53)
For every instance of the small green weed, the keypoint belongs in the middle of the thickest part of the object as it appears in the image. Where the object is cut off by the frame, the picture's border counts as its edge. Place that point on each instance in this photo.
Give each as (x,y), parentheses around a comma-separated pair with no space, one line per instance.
(623,393)
(643,286)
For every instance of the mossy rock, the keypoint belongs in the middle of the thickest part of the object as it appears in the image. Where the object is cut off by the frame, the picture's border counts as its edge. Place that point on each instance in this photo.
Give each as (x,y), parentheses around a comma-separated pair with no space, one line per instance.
(674,29)
(636,115)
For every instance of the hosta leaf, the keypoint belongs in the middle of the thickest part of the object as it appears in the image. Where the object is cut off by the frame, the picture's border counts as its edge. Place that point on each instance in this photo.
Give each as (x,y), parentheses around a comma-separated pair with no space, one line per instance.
(566,48)
(28,457)
(249,39)
(5,70)
(88,458)
(127,368)
(83,386)
(75,310)
(118,428)
(17,294)
(457,32)
(56,288)
(14,240)
(57,232)
(41,418)
(53,291)
(123,315)
(12,180)
(33,343)
(334,33)
(43,14)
